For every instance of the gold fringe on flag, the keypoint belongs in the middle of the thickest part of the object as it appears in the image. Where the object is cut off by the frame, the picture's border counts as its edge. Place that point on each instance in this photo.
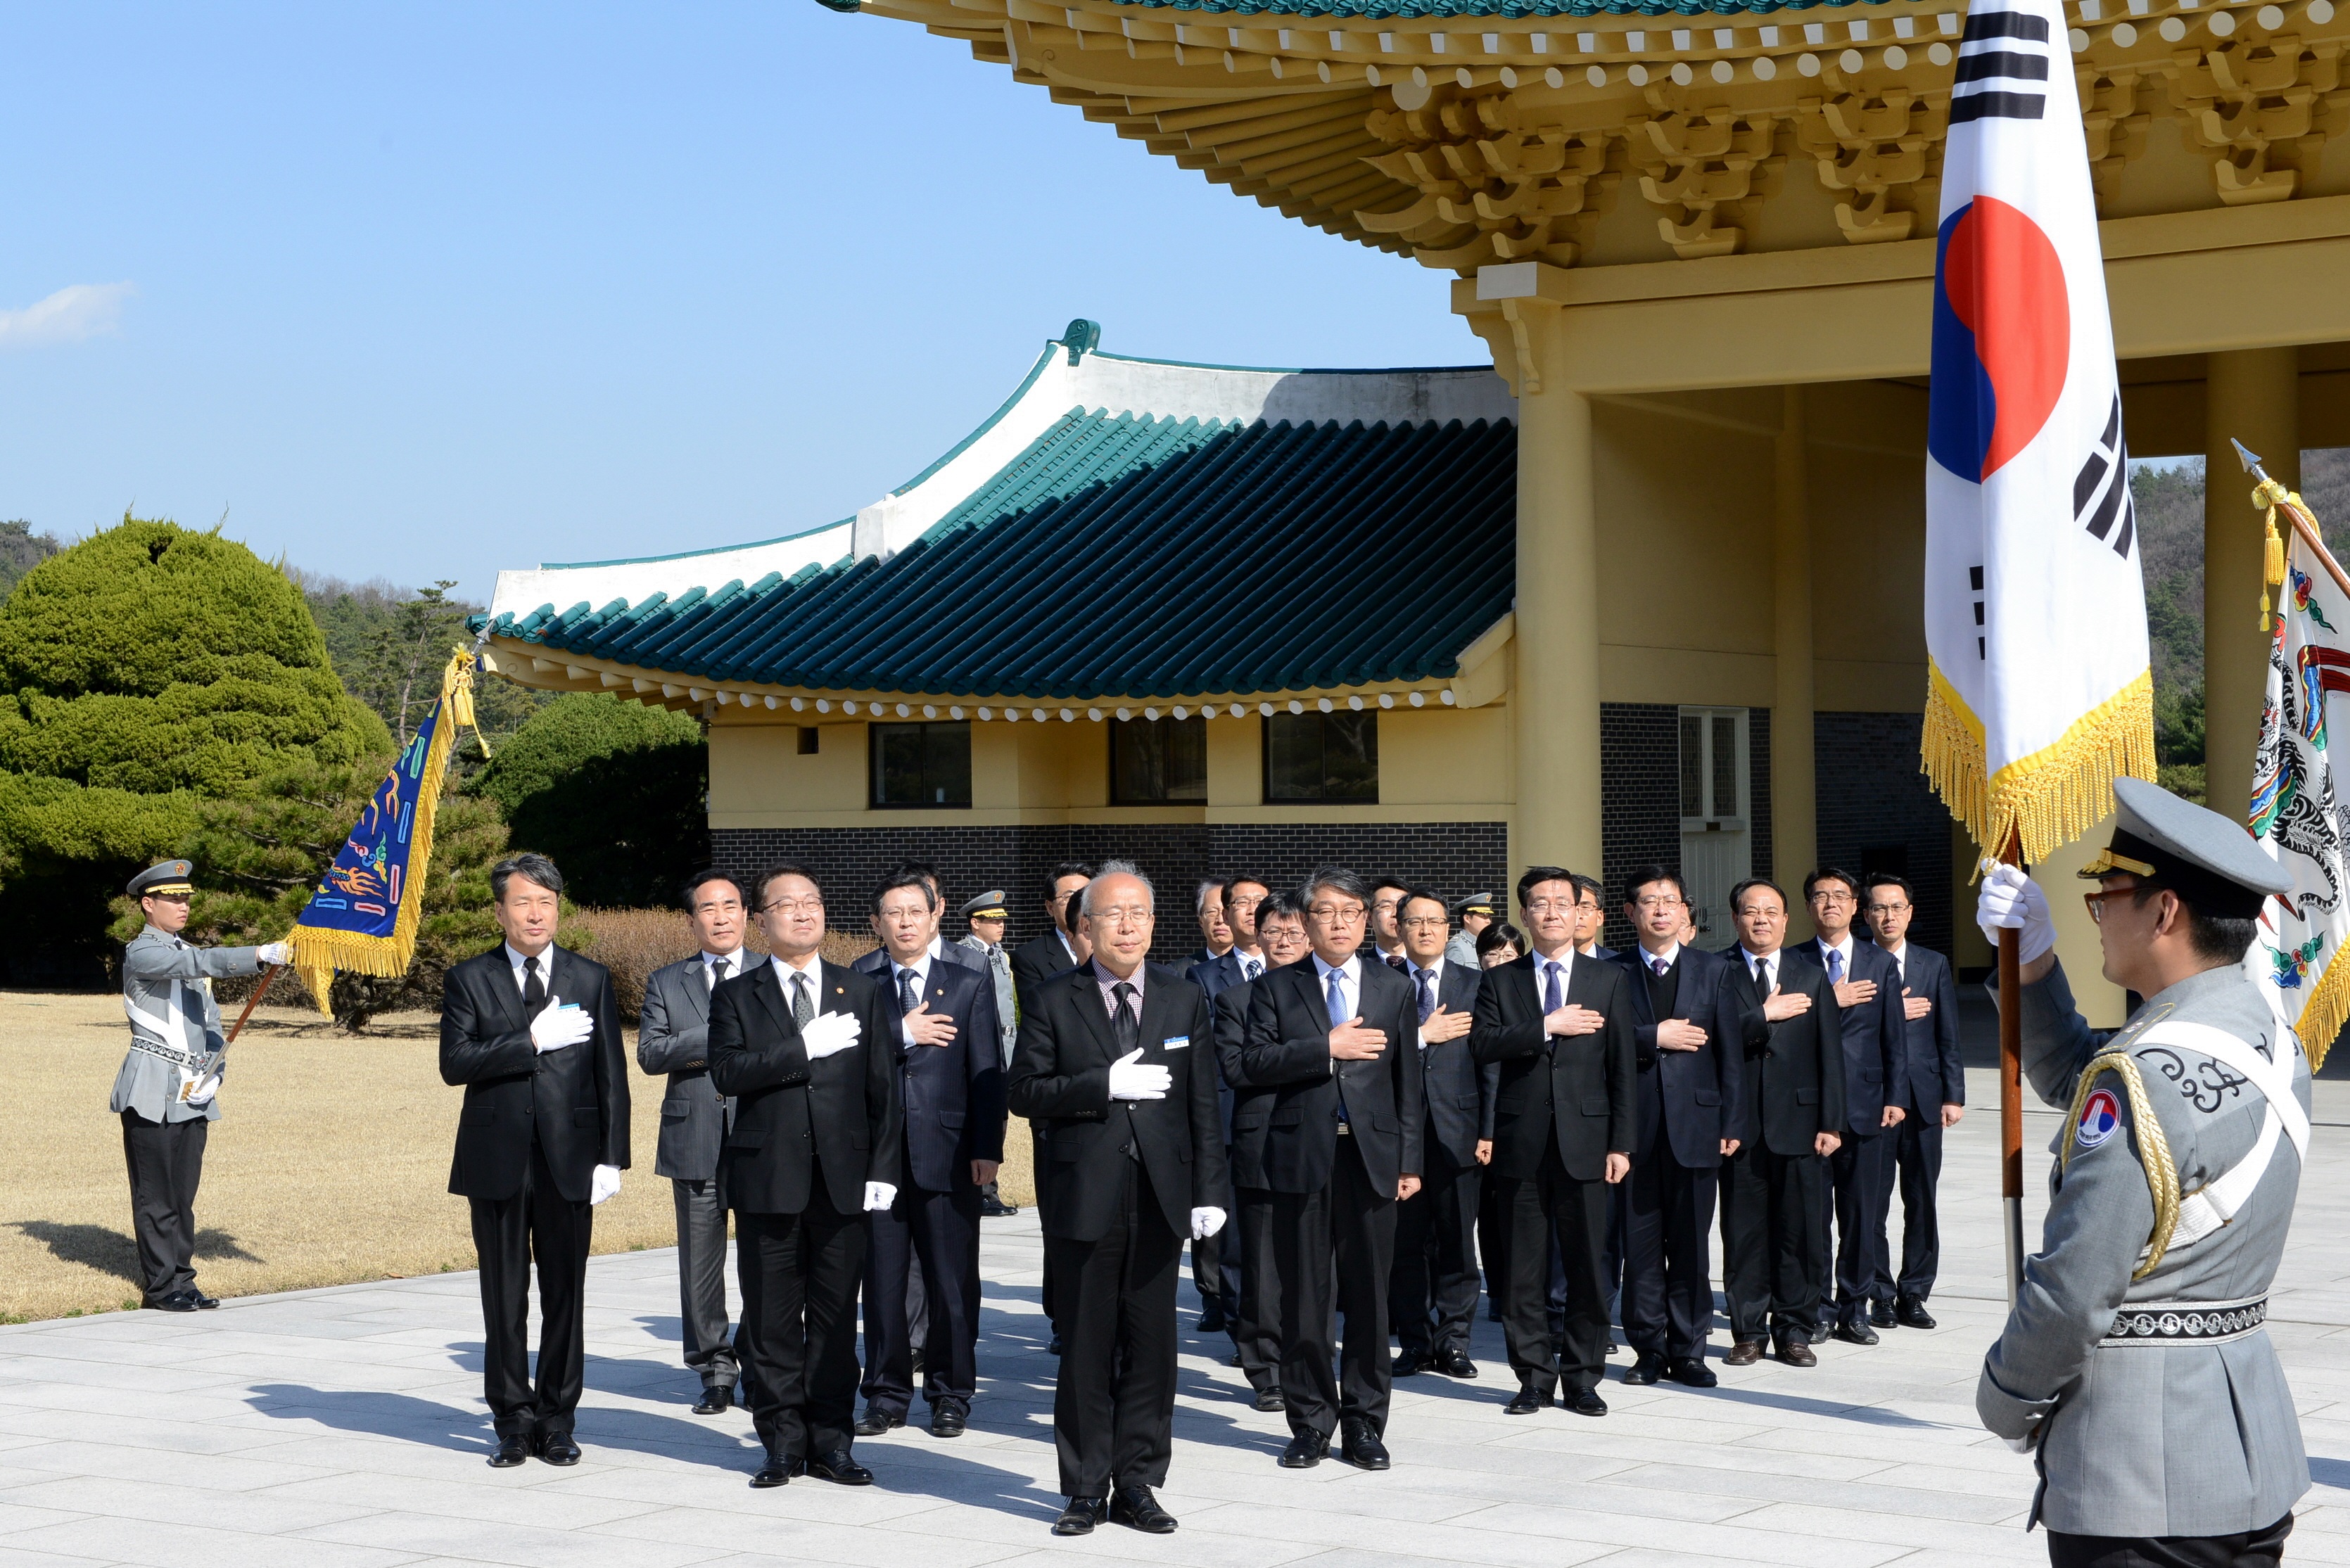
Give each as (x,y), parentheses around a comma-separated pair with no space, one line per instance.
(2321,1016)
(319,954)
(2050,797)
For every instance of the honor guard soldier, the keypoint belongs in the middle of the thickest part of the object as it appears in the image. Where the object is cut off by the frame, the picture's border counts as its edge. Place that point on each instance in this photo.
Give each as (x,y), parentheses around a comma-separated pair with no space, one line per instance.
(1472,915)
(2133,1365)
(166,1090)
(986,916)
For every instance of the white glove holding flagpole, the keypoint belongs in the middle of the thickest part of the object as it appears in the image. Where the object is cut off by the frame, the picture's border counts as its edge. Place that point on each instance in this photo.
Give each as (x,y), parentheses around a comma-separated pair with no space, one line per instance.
(274,953)
(2011,900)
(201,1092)
(828,1035)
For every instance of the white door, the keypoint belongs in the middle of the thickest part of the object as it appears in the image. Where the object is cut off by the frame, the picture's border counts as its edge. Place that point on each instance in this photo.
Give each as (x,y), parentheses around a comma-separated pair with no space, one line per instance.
(1717,848)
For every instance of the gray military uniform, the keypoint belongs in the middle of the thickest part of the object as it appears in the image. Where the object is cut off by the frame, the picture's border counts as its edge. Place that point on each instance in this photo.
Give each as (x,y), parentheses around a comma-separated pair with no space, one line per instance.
(175,1024)
(2159,1406)
(1007,1008)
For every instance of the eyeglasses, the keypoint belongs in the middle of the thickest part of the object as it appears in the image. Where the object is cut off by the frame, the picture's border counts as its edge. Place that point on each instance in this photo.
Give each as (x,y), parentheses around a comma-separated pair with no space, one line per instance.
(1244,903)
(1888,908)
(2097,901)
(793,907)
(1831,896)
(1666,902)
(1123,915)
(1551,907)
(1423,922)
(1337,914)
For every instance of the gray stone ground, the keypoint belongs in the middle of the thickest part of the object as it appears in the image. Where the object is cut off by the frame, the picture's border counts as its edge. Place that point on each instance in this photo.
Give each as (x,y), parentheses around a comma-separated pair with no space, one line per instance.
(345,1426)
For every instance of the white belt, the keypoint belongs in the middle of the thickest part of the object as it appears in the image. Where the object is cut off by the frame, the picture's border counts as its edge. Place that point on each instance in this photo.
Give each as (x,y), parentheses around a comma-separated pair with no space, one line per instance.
(2219,1201)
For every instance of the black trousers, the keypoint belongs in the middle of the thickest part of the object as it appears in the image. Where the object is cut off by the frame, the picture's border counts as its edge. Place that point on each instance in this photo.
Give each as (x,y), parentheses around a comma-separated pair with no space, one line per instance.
(1918,1163)
(1040,1156)
(1774,1249)
(166,1160)
(1860,1176)
(701,1279)
(799,1275)
(1114,1402)
(539,1224)
(1550,1207)
(1668,1299)
(2245,1549)
(1335,1250)
(1216,1262)
(936,1235)
(1256,1333)
(1433,1293)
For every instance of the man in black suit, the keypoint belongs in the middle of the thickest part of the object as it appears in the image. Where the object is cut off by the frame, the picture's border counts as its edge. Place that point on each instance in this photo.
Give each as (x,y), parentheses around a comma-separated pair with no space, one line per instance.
(1782,1015)
(1860,1173)
(1560,1025)
(1689,1083)
(807,1050)
(946,1050)
(1060,948)
(1215,935)
(1386,898)
(1937,1077)
(533,1033)
(1277,924)
(1335,1038)
(1216,1262)
(1115,1056)
(877,962)
(1433,1291)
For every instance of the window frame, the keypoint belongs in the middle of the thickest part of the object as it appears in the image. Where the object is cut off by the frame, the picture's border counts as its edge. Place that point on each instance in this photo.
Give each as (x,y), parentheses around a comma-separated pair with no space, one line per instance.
(873,744)
(1196,723)
(1369,716)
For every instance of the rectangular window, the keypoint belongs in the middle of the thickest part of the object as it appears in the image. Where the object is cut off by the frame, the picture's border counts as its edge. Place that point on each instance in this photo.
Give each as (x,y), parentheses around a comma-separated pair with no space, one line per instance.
(1159,761)
(921,764)
(1322,757)
(809,735)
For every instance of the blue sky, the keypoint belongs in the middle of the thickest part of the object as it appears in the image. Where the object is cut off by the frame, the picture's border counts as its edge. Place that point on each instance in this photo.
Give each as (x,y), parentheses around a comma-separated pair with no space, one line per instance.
(421,291)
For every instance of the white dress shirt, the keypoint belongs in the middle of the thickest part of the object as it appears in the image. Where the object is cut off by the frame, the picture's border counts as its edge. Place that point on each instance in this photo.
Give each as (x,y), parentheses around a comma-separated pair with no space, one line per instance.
(1245,959)
(546,967)
(813,969)
(1770,965)
(1564,963)
(1350,981)
(711,971)
(1649,960)
(1843,949)
(1900,956)
(1435,974)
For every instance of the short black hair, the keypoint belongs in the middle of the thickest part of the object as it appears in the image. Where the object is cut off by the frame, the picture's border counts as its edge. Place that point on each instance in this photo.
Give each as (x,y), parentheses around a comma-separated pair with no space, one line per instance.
(1398,883)
(1338,880)
(1238,877)
(785,868)
(2210,936)
(1648,874)
(1537,875)
(1279,907)
(928,873)
(703,878)
(1587,885)
(1416,894)
(531,866)
(1739,893)
(1501,933)
(1065,868)
(1832,874)
(1891,879)
(906,876)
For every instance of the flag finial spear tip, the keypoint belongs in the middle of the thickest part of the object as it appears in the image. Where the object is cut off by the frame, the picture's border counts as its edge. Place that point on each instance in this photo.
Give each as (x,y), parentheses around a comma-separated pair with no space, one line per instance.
(2249,458)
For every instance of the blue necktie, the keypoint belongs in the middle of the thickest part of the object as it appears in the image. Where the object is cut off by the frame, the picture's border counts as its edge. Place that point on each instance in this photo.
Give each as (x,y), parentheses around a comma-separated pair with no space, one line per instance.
(1427,995)
(1338,1015)
(1250,969)
(1553,993)
(1835,966)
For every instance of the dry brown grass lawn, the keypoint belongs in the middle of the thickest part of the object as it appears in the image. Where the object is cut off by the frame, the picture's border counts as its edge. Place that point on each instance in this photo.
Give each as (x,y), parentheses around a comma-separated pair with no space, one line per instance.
(329,1163)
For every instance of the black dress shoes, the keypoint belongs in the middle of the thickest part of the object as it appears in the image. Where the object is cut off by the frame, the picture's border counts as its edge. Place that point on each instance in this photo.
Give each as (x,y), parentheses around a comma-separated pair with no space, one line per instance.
(1270,1399)
(875,1421)
(1645,1371)
(778,1470)
(1363,1449)
(841,1467)
(1743,1353)
(1409,1363)
(178,1300)
(1054,1348)
(1911,1314)
(1528,1401)
(1455,1362)
(991,1207)
(1585,1402)
(557,1449)
(716,1400)
(1820,1332)
(203,1301)
(1211,1321)
(1082,1514)
(1855,1331)
(1690,1372)
(1880,1315)
(511,1452)
(1796,1349)
(1304,1451)
(946,1421)
(1133,1506)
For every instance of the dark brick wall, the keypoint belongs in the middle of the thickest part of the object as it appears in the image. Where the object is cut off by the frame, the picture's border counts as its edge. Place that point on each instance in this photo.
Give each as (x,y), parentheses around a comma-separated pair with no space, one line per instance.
(1456,858)
(1877,812)
(1639,799)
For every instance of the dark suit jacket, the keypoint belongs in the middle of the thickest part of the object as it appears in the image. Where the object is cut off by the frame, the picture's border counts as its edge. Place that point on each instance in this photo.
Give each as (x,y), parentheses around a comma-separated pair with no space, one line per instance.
(1689,1096)
(1286,1049)
(1578,1090)
(673,1037)
(1874,1033)
(1034,961)
(792,1114)
(953,1094)
(1215,977)
(877,962)
(1461,1093)
(576,1099)
(1060,1077)
(1248,1109)
(1794,1087)
(1932,1066)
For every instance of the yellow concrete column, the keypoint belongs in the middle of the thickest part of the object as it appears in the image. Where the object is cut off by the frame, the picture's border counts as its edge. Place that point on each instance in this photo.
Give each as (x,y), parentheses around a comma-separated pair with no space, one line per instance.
(1556,697)
(1794,804)
(2254,396)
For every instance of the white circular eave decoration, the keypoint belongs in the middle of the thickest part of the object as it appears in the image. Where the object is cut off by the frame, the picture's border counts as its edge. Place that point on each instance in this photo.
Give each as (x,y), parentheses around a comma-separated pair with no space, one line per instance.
(823,704)
(904,711)
(930,710)
(1068,715)
(1239,710)
(1265,708)
(799,704)
(1295,706)
(1324,704)
(987,713)
(1124,714)
(956,713)
(1447,697)
(1182,712)
(1419,699)
(848,707)
(1387,699)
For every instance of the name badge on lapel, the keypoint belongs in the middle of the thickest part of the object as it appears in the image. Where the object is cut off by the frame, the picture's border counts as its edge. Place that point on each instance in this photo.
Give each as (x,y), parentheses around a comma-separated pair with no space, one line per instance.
(1176,1042)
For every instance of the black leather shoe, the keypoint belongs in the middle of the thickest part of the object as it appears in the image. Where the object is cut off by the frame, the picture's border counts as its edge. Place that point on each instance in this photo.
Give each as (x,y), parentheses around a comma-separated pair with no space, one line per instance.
(512,1451)
(1795,1350)
(1082,1514)
(1304,1451)
(1411,1364)
(1692,1372)
(990,1207)
(557,1449)
(777,1472)
(1455,1362)
(716,1400)
(1585,1402)
(1211,1321)
(875,1421)
(1529,1400)
(1743,1353)
(178,1300)
(841,1467)
(1856,1332)
(946,1421)
(1363,1449)
(203,1301)
(1270,1399)
(1880,1315)
(1645,1371)
(1133,1507)
(1820,1332)
(1912,1313)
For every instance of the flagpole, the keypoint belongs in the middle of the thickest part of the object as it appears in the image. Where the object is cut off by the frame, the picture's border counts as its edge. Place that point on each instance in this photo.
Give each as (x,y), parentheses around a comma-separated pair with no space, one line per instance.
(2011,1086)
(267,980)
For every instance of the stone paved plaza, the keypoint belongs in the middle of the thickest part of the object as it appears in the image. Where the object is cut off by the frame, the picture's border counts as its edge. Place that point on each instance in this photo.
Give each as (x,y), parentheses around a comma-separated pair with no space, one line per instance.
(345,1426)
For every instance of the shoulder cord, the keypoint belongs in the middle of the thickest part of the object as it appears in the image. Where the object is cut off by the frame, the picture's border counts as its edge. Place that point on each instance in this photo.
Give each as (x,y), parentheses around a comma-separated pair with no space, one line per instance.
(2154,1150)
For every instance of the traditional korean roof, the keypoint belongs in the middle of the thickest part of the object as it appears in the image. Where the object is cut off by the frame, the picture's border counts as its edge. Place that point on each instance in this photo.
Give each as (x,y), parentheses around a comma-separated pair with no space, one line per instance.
(1120,528)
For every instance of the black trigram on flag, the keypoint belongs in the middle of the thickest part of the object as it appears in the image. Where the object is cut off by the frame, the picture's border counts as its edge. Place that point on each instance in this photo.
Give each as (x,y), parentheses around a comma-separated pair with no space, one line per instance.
(2100,493)
(2002,68)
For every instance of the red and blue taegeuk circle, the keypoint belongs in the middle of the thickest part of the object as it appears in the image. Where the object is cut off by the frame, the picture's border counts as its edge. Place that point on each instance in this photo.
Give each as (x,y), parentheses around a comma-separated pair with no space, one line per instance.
(2003,337)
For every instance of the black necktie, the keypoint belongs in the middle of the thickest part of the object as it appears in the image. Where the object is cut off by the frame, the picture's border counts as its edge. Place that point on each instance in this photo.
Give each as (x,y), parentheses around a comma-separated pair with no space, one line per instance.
(910,995)
(534,990)
(1126,1024)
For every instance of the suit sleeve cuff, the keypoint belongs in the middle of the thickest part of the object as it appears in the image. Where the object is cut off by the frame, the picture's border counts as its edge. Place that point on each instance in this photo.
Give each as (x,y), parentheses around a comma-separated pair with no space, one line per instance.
(2003,1414)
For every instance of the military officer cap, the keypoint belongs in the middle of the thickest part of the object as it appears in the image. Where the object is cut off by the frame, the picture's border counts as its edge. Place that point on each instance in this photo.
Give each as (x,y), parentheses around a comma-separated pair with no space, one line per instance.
(989,906)
(165,879)
(1474,904)
(2209,861)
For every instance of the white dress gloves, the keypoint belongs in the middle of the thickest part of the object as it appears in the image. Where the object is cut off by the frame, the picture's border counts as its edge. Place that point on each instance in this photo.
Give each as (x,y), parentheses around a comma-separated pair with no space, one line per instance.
(605,1183)
(1131,1078)
(879,1195)
(1206,1223)
(277,953)
(201,1091)
(557,1026)
(2011,900)
(828,1035)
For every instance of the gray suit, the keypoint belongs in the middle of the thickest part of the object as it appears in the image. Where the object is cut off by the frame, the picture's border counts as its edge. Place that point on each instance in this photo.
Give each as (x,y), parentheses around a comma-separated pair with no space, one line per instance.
(1007,1007)
(673,1037)
(2177,1423)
